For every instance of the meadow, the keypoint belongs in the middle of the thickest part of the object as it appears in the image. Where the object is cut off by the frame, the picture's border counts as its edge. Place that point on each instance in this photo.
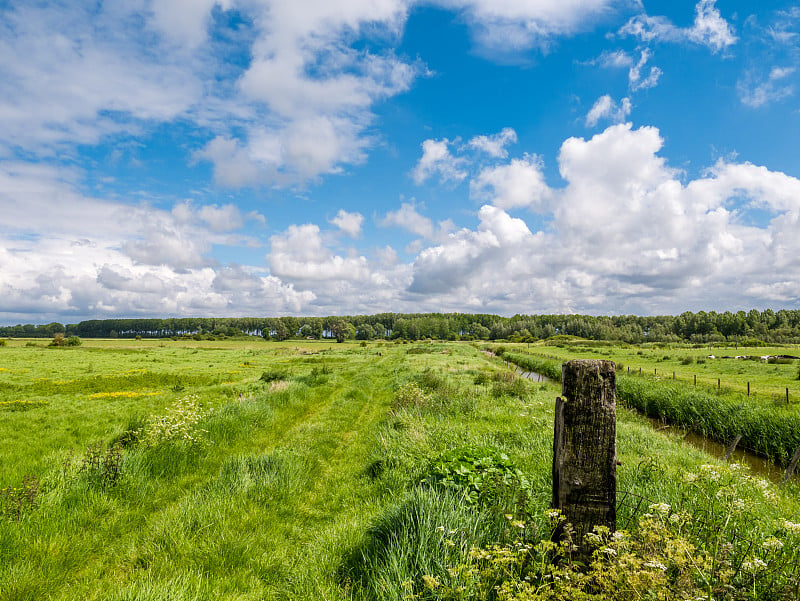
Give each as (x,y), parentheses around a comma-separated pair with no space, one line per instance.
(247,469)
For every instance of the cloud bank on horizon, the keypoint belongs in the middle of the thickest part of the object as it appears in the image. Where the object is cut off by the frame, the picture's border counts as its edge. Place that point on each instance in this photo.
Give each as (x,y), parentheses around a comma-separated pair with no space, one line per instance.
(261,157)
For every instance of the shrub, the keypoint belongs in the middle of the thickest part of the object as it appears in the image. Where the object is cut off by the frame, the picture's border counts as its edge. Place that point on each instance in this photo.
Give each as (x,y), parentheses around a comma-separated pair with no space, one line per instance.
(483,378)
(2,342)
(432,381)
(509,384)
(60,340)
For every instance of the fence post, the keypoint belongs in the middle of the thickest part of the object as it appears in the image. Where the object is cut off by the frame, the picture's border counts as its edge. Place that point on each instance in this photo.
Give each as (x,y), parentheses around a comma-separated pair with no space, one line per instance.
(787,396)
(792,466)
(585,450)
(732,448)
(748,389)
(695,379)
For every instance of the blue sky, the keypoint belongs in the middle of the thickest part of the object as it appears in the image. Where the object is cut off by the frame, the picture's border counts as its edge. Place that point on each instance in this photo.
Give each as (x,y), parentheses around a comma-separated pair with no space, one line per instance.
(319,157)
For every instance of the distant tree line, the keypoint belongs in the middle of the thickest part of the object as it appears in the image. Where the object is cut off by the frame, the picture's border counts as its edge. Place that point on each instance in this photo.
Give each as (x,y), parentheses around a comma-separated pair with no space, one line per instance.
(768,326)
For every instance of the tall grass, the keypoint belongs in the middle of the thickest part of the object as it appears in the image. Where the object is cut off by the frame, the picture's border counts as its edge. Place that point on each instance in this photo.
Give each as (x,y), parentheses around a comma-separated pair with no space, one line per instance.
(770,431)
(429,530)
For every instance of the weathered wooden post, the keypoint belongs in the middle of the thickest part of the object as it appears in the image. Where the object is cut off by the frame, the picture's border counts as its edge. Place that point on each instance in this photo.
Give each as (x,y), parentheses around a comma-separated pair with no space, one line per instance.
(732,447)
(585,450)
(790,469)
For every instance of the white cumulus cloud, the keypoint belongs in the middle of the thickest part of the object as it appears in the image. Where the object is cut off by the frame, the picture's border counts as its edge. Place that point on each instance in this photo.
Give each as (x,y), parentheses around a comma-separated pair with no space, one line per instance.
(495,145)
(606,108)
(436,159)
(520,183)
(349,223)
(627,234)
(408,218)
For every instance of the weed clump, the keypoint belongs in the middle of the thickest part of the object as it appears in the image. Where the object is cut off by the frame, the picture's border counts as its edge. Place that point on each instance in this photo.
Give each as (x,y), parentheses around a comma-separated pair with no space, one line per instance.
(274,375)
(410,395)
(429,530)
(482,378)
(481,475)
(102,467)
(507,383)
(16,500)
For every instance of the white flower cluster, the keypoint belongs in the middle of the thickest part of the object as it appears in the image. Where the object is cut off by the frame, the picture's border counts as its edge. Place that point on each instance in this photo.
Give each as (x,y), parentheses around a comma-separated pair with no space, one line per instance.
(754,565)
(710,473)
(790,527)
(772,544)
(177,425)
(660,508)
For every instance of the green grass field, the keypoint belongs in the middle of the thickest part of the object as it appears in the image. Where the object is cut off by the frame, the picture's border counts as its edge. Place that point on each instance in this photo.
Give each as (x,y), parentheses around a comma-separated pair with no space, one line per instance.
(301,470)
(768,381)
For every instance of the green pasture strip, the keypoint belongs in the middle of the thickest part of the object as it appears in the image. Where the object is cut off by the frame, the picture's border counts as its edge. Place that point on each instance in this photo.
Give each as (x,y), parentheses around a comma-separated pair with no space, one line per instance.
(768,381)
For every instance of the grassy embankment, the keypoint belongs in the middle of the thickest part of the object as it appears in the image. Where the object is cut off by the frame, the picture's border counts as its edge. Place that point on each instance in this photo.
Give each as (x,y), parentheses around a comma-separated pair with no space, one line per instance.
(292,471)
